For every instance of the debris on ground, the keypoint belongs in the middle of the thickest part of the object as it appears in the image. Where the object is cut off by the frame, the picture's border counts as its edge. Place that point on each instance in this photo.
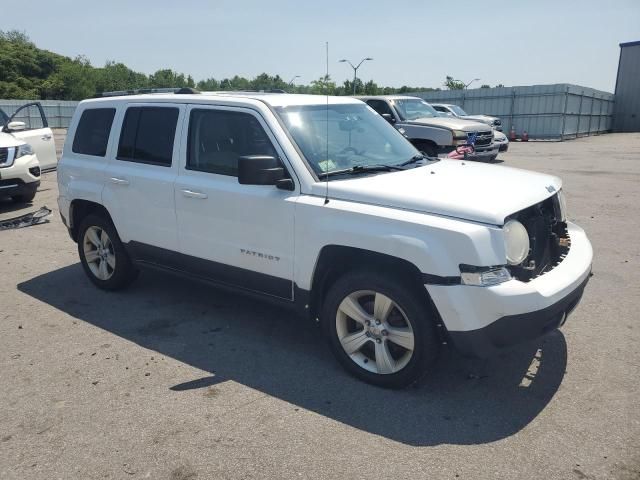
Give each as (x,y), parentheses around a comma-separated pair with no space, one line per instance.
(34,218)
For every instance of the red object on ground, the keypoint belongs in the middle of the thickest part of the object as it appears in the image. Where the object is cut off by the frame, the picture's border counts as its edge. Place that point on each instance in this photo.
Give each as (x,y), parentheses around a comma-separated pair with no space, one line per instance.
(525,136)
(461,153)
(512,134)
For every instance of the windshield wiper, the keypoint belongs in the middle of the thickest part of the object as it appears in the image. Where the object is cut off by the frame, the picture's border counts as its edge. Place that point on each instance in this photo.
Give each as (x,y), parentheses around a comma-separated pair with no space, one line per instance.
(417,158)
(357,169)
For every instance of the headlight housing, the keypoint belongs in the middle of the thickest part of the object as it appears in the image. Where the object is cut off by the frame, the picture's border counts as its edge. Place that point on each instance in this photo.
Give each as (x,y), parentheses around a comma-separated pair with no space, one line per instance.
(23,150)
(516,242)
(460,137)
(562,203)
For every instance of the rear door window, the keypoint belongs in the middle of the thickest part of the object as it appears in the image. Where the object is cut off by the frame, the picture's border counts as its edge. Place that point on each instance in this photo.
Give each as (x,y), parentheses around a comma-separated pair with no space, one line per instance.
(92,133)
(148,134)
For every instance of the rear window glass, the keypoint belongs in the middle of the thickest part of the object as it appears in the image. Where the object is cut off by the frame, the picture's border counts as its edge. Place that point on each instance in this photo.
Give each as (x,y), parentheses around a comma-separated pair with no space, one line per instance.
(148,134)
(93,130)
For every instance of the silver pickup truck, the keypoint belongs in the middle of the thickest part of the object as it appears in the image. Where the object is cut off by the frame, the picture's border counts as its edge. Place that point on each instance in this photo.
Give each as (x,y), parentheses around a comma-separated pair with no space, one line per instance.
(428,131)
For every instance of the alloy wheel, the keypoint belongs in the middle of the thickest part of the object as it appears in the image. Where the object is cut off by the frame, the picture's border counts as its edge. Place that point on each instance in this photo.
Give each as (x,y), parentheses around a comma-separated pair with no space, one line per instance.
(99,253)
(374,332)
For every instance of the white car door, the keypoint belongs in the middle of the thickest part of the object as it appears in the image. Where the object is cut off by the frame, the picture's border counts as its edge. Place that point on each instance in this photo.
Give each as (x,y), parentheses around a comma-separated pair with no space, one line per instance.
(140,175)
(34,129)
(239,235)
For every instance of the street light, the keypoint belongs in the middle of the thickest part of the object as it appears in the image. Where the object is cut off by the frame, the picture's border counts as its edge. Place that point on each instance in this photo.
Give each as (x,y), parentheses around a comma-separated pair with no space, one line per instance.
(355,69)
(291,81)
(466,85)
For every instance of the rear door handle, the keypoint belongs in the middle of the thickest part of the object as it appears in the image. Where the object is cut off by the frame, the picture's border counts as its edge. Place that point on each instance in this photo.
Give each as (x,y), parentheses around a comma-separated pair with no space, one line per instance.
(119,181)
(46,137)
(192,194)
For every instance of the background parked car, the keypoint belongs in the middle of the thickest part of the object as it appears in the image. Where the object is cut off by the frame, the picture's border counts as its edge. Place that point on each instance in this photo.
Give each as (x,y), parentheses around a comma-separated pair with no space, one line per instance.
(428,131)
(456,111)
(501,140)
(19,169)
(37,133)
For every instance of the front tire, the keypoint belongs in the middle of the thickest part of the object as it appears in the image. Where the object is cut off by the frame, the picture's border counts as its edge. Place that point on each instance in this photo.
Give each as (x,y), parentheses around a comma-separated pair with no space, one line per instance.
(24,198)
(429,149)
(381,329)
(103,257)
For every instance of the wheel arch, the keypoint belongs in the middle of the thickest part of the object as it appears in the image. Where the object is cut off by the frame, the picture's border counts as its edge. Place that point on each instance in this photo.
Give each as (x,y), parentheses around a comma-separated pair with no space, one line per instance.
(79,210)
(335,260)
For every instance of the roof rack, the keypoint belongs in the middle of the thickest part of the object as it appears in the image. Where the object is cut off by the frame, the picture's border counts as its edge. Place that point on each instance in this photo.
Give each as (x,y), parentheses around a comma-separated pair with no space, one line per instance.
(140,91)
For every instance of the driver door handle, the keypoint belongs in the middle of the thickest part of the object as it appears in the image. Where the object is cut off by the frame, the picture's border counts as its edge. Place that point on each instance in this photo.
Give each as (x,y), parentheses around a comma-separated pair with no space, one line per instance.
(119,181)
(192,194)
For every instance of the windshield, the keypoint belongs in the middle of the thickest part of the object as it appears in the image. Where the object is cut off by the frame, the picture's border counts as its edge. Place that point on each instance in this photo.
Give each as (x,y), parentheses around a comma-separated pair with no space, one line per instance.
(412,109)
(3,117)
(357,137)
(458,111)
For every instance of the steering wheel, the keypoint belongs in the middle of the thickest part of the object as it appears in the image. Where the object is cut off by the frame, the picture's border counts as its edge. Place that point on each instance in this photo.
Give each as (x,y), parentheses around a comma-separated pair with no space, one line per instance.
(349,149)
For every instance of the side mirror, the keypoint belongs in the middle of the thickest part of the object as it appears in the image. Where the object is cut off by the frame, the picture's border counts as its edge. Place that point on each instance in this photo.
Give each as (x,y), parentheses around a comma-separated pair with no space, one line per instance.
(262,170)
(16,126)
(389,118)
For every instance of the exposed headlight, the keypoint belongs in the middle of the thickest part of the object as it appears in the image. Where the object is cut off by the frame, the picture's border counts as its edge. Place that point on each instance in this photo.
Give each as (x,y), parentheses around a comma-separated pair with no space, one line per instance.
(23,150)
(516,242)
(460,137)
(483,276)
(460,134)
(562,201)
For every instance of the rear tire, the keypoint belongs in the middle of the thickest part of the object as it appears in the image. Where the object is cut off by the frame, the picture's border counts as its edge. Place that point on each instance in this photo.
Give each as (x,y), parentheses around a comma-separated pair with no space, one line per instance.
(399,345)
(103,257)
(429,149)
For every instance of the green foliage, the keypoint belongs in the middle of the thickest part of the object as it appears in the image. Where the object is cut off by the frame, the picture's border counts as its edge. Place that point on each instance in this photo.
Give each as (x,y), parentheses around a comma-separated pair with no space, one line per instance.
(28,72)
(453,84)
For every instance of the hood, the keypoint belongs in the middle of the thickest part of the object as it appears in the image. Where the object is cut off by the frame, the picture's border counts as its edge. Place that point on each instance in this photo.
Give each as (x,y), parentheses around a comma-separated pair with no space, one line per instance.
(452,123)
(481,118)
(8,140)
(466,190)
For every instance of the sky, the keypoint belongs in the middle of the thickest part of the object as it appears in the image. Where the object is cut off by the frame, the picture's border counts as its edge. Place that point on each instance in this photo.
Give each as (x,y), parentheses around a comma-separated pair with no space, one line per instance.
(416,43)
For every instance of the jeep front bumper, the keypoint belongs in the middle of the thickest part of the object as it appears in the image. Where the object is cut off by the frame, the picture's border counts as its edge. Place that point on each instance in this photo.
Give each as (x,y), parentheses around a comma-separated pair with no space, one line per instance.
(482,320)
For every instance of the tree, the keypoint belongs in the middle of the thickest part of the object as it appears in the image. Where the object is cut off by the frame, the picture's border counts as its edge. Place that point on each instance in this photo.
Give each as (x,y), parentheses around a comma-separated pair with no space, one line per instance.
(485,86)
(323,86)
(208,85)
(452,84)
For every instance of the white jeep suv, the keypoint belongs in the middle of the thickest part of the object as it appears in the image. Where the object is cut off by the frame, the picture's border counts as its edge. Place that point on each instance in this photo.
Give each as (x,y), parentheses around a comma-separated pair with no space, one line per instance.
(319,204)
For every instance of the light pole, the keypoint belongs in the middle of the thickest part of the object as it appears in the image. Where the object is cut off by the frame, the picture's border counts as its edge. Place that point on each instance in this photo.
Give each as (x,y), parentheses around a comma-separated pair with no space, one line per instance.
(466,85)
(291,81)
(355,69)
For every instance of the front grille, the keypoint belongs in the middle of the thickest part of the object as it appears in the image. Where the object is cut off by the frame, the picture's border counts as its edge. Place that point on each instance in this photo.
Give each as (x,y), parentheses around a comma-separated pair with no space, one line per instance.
(4,154)
(484,139)
(548,239)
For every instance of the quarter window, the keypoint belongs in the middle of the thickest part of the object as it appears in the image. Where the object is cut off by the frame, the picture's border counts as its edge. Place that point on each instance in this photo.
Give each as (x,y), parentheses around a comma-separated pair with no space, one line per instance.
(218,137)
(92,133)
(147,135)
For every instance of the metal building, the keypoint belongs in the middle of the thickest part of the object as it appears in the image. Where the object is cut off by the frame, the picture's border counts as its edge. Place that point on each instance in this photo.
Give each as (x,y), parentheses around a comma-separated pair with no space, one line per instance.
(545,112)
(626,117)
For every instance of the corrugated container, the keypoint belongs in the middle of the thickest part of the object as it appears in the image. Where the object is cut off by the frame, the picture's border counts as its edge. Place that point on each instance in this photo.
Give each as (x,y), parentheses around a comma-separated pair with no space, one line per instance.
(553,112)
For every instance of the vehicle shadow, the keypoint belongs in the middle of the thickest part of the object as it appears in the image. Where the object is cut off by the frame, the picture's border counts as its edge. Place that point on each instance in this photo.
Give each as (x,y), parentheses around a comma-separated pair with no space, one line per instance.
(464,401)
(8,206)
